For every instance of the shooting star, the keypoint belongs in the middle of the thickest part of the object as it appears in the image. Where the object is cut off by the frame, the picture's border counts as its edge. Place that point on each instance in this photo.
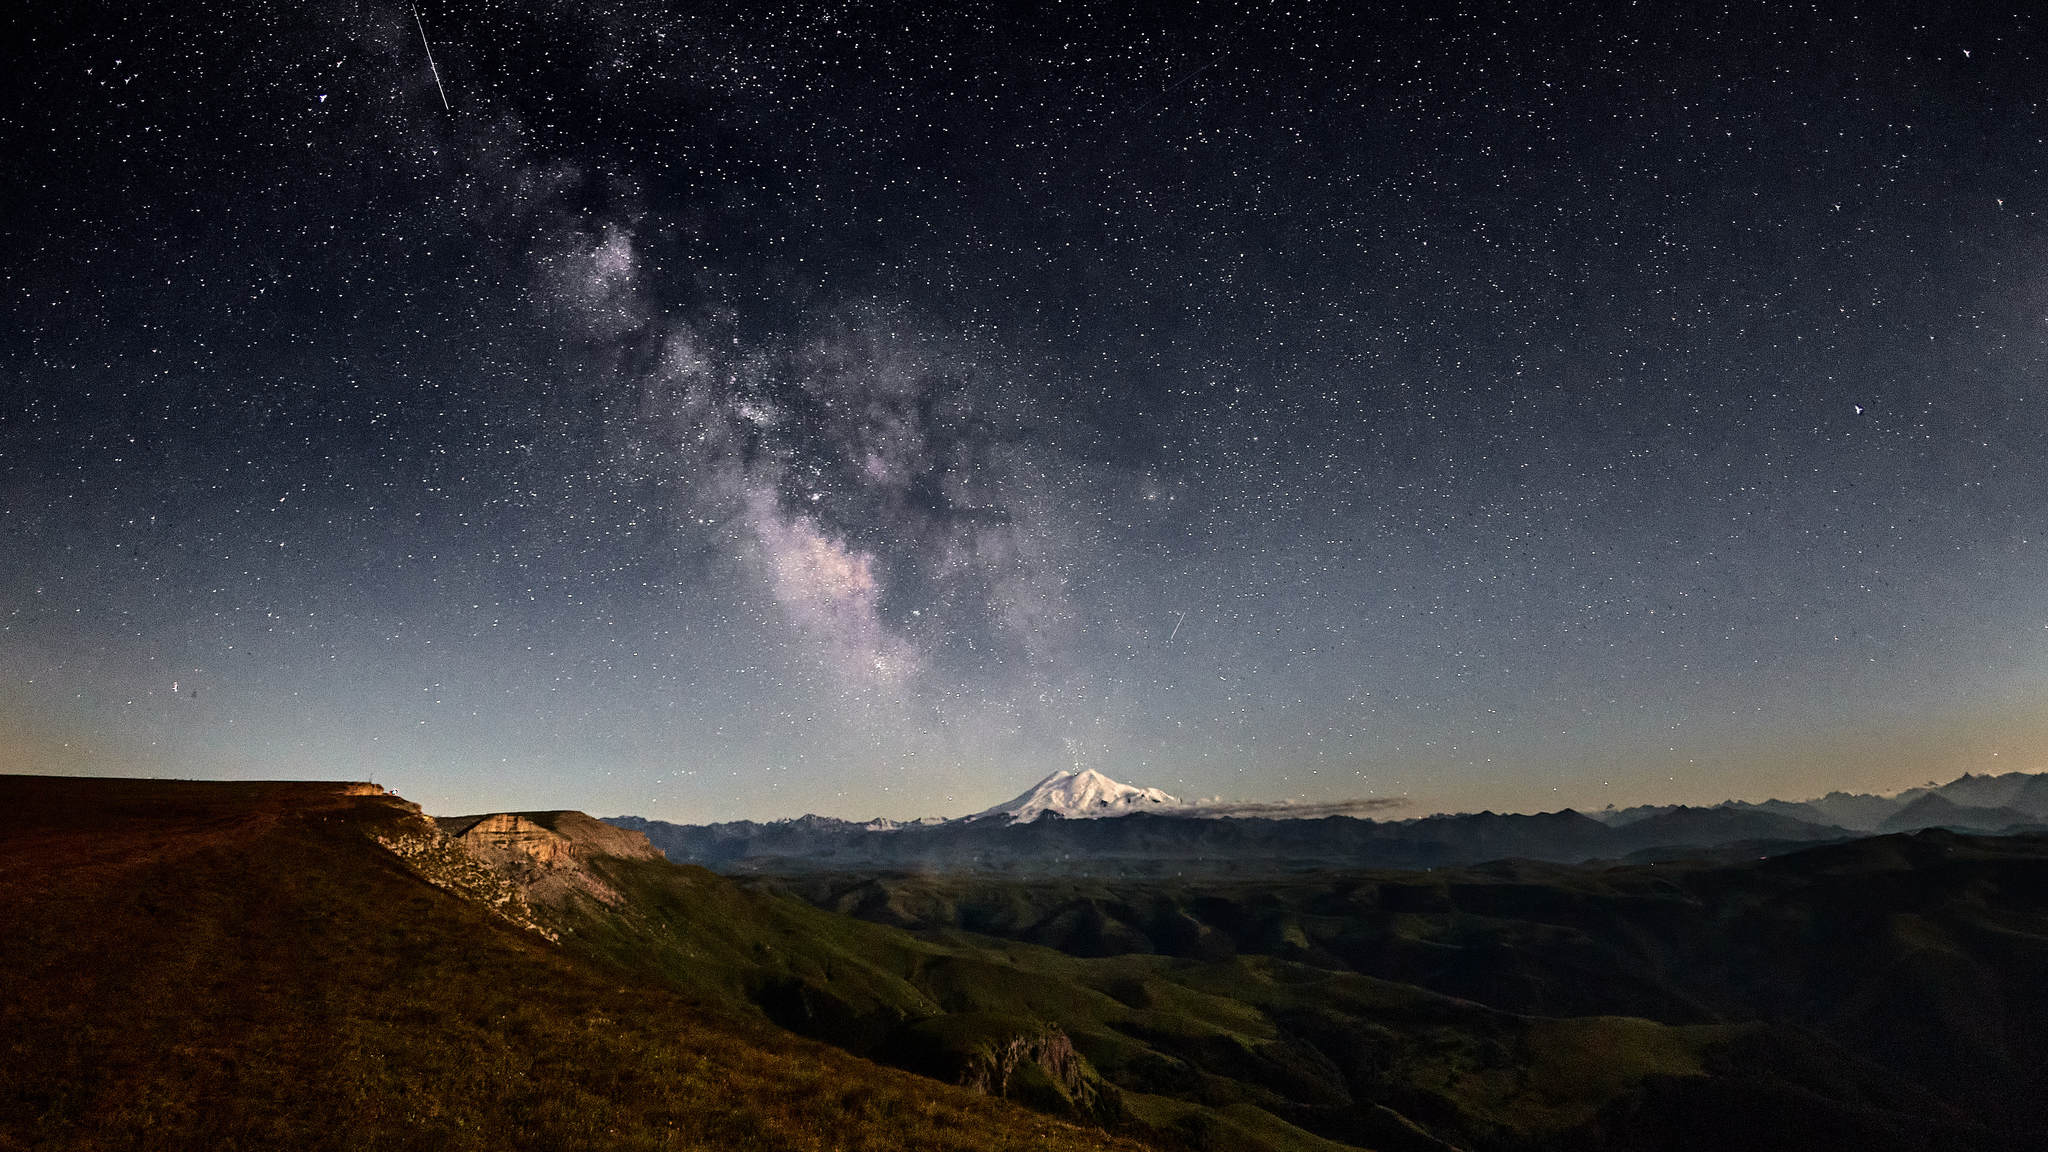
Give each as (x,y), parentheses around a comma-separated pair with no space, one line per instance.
(1176,627)
(431,66)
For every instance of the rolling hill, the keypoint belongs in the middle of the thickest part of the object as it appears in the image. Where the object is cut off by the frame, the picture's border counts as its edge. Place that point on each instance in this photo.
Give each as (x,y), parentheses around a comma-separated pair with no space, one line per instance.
(264,965)
(240,965)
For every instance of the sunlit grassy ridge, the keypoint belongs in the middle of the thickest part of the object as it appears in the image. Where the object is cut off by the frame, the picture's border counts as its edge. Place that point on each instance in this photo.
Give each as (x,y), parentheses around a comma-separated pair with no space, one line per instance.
(241,966)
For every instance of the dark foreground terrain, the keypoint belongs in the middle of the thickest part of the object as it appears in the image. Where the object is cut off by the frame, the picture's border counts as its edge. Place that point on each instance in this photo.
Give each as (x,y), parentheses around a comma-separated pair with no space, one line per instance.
(283,965)
(245,966)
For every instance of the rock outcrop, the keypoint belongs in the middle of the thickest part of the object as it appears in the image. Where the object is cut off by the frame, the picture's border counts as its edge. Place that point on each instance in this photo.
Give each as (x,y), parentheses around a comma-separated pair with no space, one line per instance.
(513,862)
(548,837)
(448,864)
(1031,1062)
(1040,1068)
(547,854)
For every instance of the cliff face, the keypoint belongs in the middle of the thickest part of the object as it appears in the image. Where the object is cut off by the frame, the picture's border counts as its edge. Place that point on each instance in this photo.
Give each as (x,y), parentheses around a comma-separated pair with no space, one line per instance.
(548,837)
(512,838)
(588,836)
(452,866)
(514,862)
(545,855)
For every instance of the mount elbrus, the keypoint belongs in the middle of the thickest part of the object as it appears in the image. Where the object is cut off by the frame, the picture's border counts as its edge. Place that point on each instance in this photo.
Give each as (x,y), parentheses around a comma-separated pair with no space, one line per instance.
(1081,794)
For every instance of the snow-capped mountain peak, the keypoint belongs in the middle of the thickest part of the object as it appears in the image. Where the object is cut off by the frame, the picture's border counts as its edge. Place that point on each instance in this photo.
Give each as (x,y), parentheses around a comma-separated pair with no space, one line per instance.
(1081,794)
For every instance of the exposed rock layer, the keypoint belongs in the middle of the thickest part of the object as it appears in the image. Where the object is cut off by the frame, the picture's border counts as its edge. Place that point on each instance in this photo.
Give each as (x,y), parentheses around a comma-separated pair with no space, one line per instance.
(513,861)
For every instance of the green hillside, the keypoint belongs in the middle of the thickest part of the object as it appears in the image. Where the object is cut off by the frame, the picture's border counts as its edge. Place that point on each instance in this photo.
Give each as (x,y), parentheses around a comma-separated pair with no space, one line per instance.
(1247,1053)
(244,966)
(1896,983)
(1254,1033)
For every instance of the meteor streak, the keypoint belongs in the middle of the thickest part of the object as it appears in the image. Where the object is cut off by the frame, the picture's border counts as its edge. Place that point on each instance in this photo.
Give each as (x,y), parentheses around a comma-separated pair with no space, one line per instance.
(431,66)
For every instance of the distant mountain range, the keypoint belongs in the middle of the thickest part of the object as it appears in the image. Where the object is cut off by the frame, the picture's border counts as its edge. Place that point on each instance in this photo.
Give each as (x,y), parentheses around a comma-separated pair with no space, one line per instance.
(1084,822)
(1968,803)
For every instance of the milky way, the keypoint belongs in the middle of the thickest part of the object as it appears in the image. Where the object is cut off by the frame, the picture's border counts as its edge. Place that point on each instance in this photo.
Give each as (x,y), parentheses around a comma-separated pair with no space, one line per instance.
(737,410)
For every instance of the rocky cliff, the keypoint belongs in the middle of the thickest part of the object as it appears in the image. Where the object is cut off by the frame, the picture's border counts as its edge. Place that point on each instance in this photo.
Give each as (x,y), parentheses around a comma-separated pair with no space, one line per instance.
(513,862)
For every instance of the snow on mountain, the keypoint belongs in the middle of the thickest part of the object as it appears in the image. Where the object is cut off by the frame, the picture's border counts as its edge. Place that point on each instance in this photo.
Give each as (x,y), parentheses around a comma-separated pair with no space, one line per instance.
(1083,794)
(884,824)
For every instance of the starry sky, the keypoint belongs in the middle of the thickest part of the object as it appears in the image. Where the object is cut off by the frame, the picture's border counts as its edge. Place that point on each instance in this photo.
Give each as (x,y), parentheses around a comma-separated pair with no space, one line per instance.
(723,410)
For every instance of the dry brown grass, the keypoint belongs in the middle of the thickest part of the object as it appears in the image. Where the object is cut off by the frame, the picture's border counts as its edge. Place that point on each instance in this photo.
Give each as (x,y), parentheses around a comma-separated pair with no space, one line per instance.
(239,966)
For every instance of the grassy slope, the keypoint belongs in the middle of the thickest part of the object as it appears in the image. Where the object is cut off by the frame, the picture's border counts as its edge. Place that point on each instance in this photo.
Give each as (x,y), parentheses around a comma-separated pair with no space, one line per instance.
(1249,1052)
(1900,981)
(229,966)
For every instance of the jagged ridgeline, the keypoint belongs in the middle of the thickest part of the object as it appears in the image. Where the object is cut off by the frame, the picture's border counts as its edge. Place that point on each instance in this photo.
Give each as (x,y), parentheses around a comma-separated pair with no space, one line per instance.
(308,965)
(1085,824)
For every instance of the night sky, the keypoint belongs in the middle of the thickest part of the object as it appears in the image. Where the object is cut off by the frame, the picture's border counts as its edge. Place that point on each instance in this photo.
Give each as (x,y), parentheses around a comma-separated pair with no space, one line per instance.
(722,410)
